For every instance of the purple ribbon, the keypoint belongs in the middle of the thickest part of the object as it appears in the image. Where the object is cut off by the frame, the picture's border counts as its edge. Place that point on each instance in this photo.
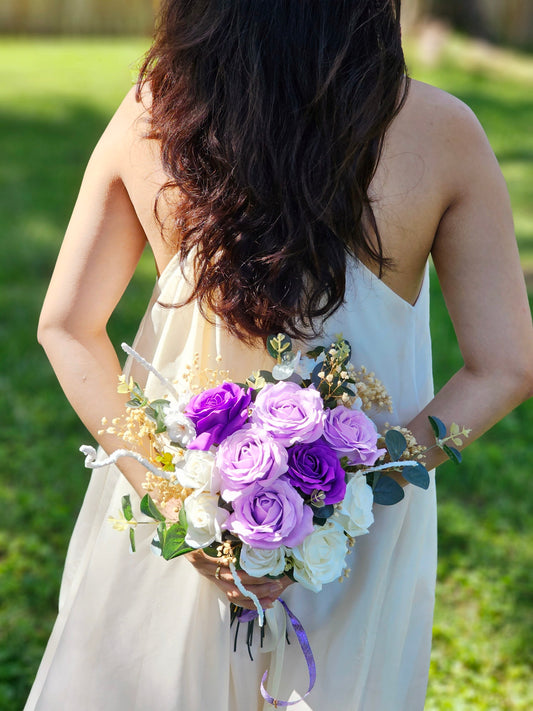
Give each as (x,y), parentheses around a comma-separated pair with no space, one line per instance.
(249,615)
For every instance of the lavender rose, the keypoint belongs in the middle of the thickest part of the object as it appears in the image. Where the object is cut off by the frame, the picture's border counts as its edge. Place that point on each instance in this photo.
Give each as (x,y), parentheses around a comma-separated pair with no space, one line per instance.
(216,413)
(290,413)
(352,434)
(271,517)
(247,456)
(316,466)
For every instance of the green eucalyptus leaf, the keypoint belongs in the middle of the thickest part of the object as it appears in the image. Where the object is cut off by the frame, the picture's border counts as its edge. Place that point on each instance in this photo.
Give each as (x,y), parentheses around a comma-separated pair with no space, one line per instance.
(278,344)
(126,507)
(347,390)
(182,518)
(160,403)
(439,428)
(174,544)
(150,413)
(132,539)
(137,390)
(160,423)
(453,454)
(319,367)
(395,443)
(161,534)
(387,492)
(323,512)
(149,508)
(211,551)
(315,353)
(417,475)
(267,375)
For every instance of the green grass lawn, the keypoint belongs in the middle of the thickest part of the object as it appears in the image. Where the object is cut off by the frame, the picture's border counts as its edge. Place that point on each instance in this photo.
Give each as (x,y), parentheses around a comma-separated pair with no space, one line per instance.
(55,99)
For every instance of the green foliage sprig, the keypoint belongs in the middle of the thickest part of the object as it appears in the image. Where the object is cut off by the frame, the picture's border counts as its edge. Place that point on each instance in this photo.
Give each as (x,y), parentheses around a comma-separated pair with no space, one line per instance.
(169,539)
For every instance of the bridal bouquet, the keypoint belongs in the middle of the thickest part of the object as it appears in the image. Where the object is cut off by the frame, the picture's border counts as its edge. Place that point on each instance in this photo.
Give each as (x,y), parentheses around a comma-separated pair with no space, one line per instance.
(280,473)
(277,475)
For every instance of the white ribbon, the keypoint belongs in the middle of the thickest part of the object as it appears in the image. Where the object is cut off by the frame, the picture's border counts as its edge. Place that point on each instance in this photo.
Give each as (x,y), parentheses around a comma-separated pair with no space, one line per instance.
(247,593)
(391,465)
(145,364)
(274,642)
(276,619)
(91,461)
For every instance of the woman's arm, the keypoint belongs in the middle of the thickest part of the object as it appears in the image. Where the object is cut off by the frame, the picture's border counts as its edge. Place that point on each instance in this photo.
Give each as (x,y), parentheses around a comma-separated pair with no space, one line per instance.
(477,262)
(100,251)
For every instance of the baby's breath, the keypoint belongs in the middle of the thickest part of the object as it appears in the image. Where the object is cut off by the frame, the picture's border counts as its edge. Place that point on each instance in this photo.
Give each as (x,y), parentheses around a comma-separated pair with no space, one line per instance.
(199,379)
(163,490)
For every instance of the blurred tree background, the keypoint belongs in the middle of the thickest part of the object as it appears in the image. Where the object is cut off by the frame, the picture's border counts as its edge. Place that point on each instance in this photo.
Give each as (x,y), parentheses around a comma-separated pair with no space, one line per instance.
(506,21)
(65,65)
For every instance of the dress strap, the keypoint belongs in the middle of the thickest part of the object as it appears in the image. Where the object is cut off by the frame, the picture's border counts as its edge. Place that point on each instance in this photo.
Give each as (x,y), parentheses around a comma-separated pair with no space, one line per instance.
(218,336)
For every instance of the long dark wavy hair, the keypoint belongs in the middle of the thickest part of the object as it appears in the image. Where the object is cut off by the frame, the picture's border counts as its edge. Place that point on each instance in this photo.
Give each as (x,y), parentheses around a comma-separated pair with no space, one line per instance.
(271,116)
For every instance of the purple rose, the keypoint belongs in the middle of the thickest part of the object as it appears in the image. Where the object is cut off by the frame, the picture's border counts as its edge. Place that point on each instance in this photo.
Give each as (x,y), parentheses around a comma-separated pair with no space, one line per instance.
(247,456)
(352,434)
(290,413)
(316,466)
(270,517)
(217,413)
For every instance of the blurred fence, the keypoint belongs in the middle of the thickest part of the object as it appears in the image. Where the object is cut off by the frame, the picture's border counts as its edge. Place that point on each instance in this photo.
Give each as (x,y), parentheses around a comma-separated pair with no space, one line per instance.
(77,16)
(508,21)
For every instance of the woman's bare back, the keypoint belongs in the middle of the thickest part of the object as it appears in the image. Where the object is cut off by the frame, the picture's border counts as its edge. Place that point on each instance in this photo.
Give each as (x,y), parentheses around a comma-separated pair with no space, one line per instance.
(419,176)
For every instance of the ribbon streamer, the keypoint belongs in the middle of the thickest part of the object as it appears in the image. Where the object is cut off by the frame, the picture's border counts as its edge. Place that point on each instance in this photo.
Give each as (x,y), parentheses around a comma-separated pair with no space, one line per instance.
(150,368)
(91,461)
(278,634)
(247,594)
(391,465)
(276,619)
(308,654)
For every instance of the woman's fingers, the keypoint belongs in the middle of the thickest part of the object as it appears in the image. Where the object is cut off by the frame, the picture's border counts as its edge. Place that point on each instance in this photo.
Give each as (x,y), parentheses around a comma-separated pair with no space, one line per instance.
(217,570)
(209,565)
(266,594)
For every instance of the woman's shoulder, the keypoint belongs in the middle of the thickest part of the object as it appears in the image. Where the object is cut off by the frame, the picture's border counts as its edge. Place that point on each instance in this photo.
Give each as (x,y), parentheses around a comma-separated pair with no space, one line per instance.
(445,135)
(436,106)
(438,120)
(129,123)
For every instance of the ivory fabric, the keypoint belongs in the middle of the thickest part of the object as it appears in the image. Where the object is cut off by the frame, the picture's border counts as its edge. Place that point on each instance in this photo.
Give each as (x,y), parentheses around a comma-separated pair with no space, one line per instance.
(135,632)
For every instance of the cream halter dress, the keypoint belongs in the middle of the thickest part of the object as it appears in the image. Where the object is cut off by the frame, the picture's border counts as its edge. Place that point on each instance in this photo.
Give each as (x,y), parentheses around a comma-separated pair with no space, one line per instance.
(135,632)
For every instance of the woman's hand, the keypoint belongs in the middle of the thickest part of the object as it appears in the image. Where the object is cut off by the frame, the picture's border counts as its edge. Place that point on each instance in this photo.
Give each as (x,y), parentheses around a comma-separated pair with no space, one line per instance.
(217,570)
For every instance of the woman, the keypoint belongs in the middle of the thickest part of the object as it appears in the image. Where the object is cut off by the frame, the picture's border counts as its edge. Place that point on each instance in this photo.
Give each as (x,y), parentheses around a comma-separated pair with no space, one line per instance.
(287,177)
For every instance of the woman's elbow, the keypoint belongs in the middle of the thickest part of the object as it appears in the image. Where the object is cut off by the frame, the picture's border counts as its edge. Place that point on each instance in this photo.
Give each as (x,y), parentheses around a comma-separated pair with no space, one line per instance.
(526,379)
(54,330)
(519,372)
(45,329)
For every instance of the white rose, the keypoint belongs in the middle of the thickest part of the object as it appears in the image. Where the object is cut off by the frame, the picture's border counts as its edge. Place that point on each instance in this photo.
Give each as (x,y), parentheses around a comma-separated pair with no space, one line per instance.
(355,513)
(179,428)
(260,561)
(196,470)
(321,557)
(204,519)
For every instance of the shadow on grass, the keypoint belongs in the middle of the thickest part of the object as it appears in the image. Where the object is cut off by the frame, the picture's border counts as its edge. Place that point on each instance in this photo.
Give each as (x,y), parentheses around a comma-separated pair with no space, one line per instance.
(485,509)
(42,478)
